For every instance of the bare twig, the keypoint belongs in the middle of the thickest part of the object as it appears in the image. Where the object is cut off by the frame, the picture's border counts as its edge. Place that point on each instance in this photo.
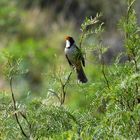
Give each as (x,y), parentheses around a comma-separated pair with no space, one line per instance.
(104,74)
(56,94)
(12,72)
(103,68)
(63,86)
(29,125)
(62,94)
(15,108)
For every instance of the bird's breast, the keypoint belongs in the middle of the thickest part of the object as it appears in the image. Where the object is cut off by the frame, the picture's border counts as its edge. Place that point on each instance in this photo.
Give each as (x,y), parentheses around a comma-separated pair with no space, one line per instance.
(71,53)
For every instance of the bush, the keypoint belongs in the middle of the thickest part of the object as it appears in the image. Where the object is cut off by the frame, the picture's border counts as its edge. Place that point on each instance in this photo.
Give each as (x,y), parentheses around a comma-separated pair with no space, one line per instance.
(107,107)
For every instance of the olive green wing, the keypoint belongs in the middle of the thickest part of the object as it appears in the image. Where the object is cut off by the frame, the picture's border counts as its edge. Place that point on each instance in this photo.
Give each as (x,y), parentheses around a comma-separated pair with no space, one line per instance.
(68,60)
(80,56)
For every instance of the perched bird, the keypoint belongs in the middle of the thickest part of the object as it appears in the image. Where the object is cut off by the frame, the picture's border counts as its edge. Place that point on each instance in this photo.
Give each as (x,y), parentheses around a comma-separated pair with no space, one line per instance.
(75,58)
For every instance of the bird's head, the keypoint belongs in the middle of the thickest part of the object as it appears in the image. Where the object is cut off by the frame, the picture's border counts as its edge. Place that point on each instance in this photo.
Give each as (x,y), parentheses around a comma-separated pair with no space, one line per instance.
(69,41)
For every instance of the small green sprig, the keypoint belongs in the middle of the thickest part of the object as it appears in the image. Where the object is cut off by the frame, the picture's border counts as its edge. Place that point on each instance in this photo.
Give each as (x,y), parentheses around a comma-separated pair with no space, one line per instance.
(87,27)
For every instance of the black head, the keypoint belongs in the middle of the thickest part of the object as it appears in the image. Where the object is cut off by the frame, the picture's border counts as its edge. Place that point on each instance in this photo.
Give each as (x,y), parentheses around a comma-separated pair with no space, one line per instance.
(70,39)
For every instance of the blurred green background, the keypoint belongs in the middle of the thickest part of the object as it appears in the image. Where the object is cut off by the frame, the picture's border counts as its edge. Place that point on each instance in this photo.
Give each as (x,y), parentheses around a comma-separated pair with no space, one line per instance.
(34,30)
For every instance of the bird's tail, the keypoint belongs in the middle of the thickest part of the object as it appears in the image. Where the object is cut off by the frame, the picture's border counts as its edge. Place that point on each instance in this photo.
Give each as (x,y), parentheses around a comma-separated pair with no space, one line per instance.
(81,75)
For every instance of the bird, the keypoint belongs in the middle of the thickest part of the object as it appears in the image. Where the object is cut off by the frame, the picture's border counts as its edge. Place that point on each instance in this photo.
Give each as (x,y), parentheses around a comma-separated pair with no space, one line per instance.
(75,58)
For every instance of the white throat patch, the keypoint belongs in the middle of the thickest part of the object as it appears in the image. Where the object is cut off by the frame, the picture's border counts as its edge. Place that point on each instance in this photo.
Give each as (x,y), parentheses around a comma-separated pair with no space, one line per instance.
(67,43)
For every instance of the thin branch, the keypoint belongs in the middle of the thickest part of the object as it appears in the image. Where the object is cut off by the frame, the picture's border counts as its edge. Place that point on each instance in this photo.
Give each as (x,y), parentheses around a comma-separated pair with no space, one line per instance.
(91,22)
(29,125)
(82,38)
(55,94)
(62,95)
(63,86)
(103,69)
(104,74)
(15,109)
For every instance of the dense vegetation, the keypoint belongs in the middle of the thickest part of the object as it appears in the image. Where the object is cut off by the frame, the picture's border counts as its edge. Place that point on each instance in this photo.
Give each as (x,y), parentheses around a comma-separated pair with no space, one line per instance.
(40,97)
